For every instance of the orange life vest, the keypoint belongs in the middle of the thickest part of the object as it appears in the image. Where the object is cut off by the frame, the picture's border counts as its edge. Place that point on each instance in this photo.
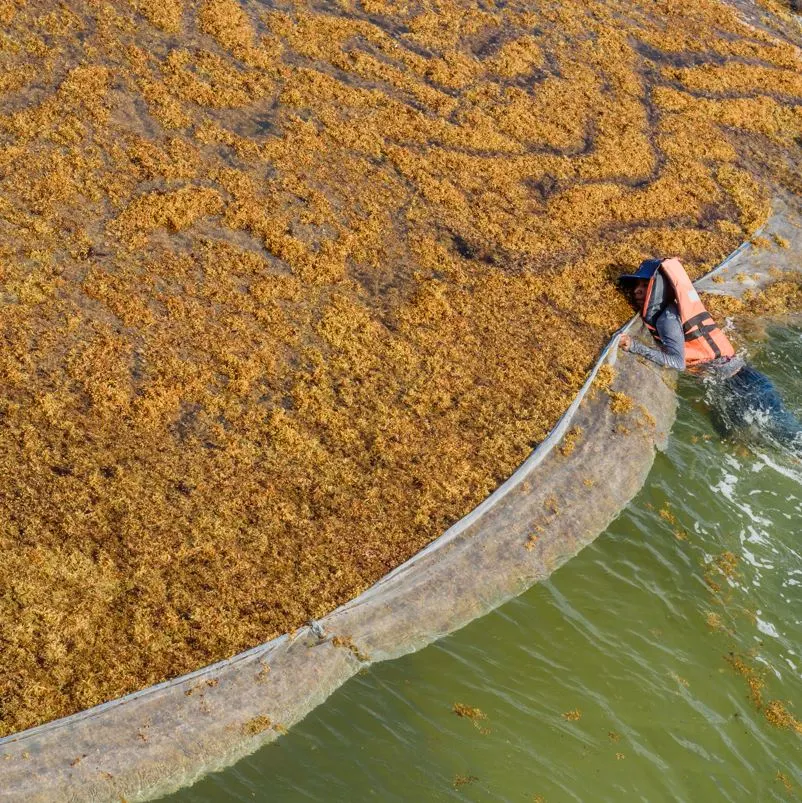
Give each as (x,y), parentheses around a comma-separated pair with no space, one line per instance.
(704,341)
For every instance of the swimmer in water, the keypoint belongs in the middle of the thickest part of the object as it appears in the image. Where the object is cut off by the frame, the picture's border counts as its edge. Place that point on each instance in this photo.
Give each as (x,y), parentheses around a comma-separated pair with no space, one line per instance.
(688,339)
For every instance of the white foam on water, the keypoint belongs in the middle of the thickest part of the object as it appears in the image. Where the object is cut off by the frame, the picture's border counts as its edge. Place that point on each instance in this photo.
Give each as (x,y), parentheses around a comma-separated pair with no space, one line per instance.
(726,487)
(755,537)
(761,660)
(786,471)
(732,462)
(767,628)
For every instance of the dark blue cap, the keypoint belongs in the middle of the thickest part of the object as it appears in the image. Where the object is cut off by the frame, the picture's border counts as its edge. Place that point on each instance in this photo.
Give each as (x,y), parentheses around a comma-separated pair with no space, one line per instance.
(645,270)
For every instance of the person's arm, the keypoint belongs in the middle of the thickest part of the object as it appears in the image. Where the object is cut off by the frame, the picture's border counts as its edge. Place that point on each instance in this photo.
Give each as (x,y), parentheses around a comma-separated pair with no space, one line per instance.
(672,352)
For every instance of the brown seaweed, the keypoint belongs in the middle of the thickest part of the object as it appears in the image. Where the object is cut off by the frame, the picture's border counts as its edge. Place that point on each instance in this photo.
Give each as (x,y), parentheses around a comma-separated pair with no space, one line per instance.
(287,290)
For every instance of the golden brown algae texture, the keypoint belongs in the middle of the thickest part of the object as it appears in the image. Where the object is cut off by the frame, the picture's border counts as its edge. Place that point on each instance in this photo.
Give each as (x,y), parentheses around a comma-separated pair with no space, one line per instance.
(288,288)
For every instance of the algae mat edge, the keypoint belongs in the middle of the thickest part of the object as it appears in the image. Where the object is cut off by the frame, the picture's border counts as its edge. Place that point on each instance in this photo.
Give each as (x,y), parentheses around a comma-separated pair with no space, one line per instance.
(287,290)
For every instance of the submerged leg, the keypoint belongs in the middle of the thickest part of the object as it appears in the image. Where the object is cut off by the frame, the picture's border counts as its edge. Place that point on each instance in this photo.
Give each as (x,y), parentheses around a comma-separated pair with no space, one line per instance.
(749,399)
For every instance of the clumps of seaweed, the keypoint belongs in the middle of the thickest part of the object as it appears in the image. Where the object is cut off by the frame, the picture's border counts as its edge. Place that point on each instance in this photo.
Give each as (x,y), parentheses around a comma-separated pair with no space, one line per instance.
(574,715)
(604,377)
(775,711)
(174,211)
(777,714)
(533,538)
(783,295)
(256,725)
(475,715)
(621,403)
(645,418)
(233,309)
(785,781)
(469,712)
(666,514)
(552,505)
(570,441)
(748,665)
(721,566)
(725,565)
(755,678)
(346,642)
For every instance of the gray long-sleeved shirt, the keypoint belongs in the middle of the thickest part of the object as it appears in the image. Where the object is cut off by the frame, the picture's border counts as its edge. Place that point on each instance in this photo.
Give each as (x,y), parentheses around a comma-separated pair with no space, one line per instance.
(672,353)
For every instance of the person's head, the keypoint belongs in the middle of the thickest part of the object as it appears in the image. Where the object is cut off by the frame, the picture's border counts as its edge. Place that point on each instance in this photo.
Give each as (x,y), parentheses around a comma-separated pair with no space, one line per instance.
(636,284)
(638,288)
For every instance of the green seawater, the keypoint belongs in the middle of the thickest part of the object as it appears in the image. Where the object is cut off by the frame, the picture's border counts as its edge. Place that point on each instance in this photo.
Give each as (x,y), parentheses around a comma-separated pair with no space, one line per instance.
(614,681)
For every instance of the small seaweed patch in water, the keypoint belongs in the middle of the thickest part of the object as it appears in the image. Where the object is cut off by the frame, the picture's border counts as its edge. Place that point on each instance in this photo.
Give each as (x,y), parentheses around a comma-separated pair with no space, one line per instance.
(779,716)
(783,779)
(753,677)
(574,715)
(475,715)
(463,780)
(750,615)
(667,515)
(727,564)
(468,712)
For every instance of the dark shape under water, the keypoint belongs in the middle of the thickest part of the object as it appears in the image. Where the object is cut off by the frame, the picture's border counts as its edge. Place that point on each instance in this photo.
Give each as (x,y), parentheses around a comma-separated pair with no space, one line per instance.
(747,405)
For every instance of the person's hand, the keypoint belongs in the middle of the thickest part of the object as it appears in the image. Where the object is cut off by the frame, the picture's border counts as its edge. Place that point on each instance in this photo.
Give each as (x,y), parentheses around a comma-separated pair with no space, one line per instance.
(624,342)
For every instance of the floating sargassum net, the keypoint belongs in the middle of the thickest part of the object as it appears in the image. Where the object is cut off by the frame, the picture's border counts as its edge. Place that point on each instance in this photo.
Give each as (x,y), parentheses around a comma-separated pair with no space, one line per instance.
(289,289)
